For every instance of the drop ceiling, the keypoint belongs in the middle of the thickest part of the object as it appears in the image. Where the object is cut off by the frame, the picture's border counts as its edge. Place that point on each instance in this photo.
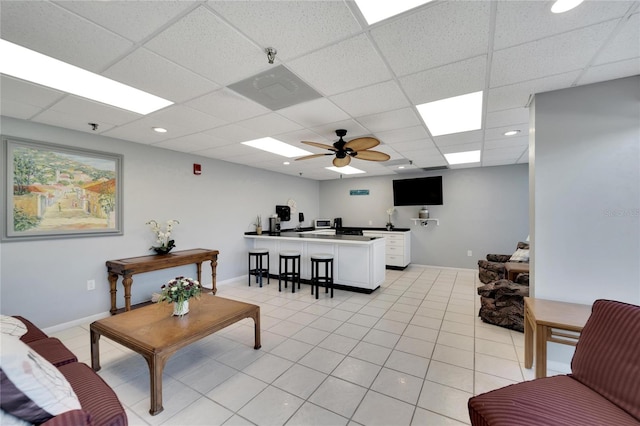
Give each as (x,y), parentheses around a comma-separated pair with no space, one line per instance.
(369,78)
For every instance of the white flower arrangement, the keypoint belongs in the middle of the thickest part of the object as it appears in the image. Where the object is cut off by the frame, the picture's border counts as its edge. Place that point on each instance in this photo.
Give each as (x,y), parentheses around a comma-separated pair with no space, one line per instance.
(390,211)
(163,238)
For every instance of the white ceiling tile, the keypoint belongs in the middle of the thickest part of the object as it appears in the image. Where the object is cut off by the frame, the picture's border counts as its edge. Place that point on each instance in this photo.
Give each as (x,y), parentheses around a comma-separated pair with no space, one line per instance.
(446,81)
(17,109)
(625,45)
(269,124)
(234,133)
(499,162)
(443,33)
(507,117)
(513,153)
(612,71)
(133,20)
(178,115)
(517,95)
(227,151)
(142,131)
(402,135)
(372,99)
(28,93)
(70,121)
(554,55)
(507,142)
(524,158)
(519,22)
(430,162)
(297,136)
(459,138)
(192,143)
(227,105)
(461,148)
(342,67)
(194,42)
(147,71)
(405,117)
(328,131)
(56,32)
(314,113)
(264,21)
(415,145)
(94,112)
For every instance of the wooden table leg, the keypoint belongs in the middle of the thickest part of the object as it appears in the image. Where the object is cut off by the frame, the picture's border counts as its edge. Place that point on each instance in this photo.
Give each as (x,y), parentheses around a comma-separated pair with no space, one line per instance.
(542,332)
(256,320)
(95,350)
(214,264)
(199,271)
(127,281)
(113,285)
(529,332)
(156,367)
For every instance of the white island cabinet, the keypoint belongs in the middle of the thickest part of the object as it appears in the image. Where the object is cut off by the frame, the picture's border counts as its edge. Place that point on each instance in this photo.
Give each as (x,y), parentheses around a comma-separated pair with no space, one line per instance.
(358,261)
(398,243)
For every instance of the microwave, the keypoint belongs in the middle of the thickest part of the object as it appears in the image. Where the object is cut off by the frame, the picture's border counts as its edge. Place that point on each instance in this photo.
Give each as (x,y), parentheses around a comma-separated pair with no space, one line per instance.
(322,224)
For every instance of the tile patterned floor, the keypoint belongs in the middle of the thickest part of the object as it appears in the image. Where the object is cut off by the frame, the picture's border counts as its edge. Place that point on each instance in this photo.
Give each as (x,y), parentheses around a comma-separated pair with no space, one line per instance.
(411,353)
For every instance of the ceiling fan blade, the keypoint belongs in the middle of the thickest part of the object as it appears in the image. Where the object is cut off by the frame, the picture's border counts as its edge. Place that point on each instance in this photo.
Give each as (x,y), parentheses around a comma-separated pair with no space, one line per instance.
(308,157)
(371,155)
(320,145)
(360,144)
(341,162)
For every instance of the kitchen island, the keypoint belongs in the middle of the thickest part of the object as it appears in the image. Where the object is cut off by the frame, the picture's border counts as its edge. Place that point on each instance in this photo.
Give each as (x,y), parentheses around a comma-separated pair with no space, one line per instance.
(358,265)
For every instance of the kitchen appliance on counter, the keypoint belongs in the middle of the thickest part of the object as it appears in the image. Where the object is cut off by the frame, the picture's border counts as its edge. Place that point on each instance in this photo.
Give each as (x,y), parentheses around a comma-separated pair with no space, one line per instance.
(274,225)
(322,223)
(337,222)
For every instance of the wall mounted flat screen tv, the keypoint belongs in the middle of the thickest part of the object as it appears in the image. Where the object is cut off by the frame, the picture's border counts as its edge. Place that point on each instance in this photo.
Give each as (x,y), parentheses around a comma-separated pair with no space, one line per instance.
(425,191)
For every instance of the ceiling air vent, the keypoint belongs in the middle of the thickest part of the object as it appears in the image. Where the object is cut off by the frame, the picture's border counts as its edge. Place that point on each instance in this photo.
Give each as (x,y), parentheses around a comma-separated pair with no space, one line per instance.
(275,89)
(431,169)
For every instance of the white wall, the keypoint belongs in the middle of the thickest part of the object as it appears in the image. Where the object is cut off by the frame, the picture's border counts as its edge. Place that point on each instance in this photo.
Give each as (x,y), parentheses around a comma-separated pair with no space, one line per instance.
(45,281)
(587,195)
(485,210)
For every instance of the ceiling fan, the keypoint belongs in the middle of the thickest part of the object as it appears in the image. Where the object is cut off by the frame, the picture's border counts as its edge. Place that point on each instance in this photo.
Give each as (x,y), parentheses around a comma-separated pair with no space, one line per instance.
(356,148)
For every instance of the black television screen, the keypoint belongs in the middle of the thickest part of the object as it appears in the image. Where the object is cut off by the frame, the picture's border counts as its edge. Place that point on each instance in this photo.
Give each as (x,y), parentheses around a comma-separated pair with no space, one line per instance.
(425,191)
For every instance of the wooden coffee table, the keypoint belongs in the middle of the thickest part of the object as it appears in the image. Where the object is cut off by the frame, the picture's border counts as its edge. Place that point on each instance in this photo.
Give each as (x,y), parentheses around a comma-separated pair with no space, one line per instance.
(153,332)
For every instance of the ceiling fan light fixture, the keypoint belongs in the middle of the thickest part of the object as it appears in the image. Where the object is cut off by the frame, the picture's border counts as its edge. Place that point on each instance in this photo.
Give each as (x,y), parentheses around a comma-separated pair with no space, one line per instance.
(277,147)
(346,170)
(453,115)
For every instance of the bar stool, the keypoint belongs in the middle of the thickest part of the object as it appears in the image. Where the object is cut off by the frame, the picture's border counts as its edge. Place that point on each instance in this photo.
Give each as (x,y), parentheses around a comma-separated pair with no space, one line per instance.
(258,254)
(327,278)
(294,274)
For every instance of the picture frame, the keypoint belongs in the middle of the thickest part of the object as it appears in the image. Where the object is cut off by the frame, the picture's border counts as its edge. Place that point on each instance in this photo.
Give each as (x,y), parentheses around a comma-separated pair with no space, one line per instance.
(55,191)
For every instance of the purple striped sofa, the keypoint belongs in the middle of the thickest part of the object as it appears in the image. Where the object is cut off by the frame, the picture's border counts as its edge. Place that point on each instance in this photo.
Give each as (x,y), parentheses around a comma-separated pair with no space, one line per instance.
(603,388)
(100,405)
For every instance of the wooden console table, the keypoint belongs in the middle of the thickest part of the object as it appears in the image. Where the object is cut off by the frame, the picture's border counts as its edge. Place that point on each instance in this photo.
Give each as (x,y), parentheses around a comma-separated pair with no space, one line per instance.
(137,265)
(549,321)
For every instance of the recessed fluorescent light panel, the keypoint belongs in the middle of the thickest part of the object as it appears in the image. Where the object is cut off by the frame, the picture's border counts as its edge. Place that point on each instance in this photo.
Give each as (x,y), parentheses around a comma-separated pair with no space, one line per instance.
(463,157)
(453,115)
(376,10)
(561,6)
(35,67)
(346,170)
(276,147)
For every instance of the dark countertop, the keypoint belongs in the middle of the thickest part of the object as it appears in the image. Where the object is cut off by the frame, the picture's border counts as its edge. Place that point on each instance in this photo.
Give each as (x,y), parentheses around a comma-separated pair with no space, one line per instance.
(292,234)
(347,228)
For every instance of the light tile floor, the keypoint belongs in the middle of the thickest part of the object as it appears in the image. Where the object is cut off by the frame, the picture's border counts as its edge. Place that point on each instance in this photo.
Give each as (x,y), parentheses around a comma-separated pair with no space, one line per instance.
(411,353)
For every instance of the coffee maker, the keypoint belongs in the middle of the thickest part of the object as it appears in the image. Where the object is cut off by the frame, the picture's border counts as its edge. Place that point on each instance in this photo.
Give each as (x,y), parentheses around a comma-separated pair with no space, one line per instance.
(274,225)
(337,223)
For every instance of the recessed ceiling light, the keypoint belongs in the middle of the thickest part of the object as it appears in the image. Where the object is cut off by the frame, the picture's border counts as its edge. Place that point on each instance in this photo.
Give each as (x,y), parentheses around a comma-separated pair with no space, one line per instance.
(401,167)
(453,115)
(376,10)
(35,67)
(286,163)
(511,132)
(276,147)
(159,129)
(346,170)
(463,157)
(561,6)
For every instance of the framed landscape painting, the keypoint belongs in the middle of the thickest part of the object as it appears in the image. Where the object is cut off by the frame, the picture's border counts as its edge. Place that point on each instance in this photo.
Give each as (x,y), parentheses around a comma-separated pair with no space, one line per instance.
(55,191)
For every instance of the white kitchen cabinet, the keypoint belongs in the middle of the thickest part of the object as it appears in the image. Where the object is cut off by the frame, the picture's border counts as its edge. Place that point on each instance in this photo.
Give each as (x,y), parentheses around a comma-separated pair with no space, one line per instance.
(398,246)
